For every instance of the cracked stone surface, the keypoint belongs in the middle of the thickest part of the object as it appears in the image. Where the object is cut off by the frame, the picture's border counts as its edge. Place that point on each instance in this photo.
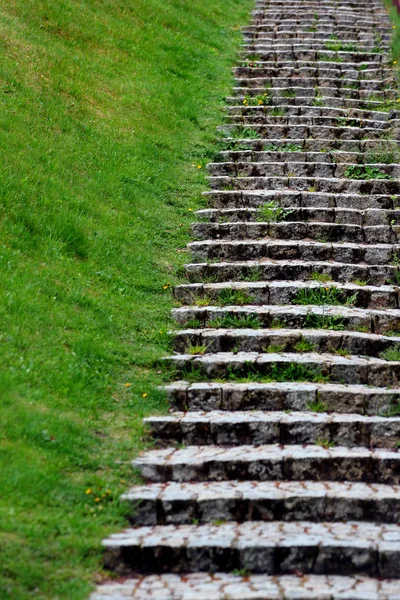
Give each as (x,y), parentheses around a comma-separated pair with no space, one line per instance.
(276,473)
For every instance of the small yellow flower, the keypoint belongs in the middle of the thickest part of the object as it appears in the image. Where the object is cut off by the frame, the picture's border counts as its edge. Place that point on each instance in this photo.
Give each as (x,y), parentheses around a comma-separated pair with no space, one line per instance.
(395,62)
(164,287)
(160,331)
(199,166)
(144,395)
(122,480)
(127,385)
(180,224)
(108,492)
(97,499)
(88,491)
(190,209)
(393,26)
(398,100)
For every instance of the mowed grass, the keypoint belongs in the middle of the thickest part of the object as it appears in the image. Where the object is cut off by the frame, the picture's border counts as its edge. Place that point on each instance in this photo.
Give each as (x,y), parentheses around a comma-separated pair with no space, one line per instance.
(108,109)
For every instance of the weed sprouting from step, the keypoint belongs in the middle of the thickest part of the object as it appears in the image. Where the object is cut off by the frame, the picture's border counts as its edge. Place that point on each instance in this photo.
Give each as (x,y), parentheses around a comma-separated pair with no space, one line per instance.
(204,301)
(289,94)
(318,102)
(360,282)
(392,354)
(253,274)
(318,406)
(229,297)
(329,58)
(194,324)
(235,322)
(196,349)
(304,345)
(365,172)
(274,349)
(277,112)
(272,212)
(340,46)
(290,148)
(334,322)
(381,155)
(320,277)
(248,373)
(325,443)
(245,133)
(324,296)
(258,100)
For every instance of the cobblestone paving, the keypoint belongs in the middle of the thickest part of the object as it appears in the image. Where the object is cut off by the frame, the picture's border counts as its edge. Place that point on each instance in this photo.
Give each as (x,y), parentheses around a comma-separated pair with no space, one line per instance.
(277,471)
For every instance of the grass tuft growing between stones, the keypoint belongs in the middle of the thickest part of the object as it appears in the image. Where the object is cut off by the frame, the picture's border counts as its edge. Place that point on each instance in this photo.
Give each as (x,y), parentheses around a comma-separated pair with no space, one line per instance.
(108,116)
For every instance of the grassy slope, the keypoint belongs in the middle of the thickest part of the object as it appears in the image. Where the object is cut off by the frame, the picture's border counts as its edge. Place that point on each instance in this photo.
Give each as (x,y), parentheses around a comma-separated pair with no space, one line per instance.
(105,105)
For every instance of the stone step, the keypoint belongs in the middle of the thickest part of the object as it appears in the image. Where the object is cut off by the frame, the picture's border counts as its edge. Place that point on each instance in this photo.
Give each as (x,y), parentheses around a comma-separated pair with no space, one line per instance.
(297,156)
(315,55)
(288,198)
(324,132)
(283,396)
(295,46)
(255,85)
(376,186)
(242,141)
(289,270)
(326,333)
(337,114)
(249,67)
(323,311)
(291,168)
(296,230)
(276,250)
(272,462)
(267,112)
(306,86)
(176,503)
(272,548)
(260,428)
(307,366)
(376,101)
(226,586)
(340,216)
(337,19)
(287,292)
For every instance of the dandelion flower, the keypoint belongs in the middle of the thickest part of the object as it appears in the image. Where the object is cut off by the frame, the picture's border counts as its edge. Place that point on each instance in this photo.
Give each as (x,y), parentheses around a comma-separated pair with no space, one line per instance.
(97,499)
(127,385)
(88,491)
(199,166)
(144,395)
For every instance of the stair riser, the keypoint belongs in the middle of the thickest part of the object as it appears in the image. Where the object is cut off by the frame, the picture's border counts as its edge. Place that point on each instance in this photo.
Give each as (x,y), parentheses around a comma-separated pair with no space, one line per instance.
(274,295)
(294,169)
(367,117)
(349,434)
(310,469)
(310,184)
(374,275)
(323,132)
(318,251)
(368,218)
(213,558)
(304,199)
(242,158)
(289,340)
(183,511)
(273,398)
(327,232)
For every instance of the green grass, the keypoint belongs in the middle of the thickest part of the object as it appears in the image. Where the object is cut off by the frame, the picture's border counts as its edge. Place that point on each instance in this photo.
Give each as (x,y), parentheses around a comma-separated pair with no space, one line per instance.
(108,109)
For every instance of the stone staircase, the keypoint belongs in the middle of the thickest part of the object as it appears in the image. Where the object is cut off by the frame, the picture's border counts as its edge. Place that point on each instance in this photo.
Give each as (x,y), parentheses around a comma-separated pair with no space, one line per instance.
(276,475)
